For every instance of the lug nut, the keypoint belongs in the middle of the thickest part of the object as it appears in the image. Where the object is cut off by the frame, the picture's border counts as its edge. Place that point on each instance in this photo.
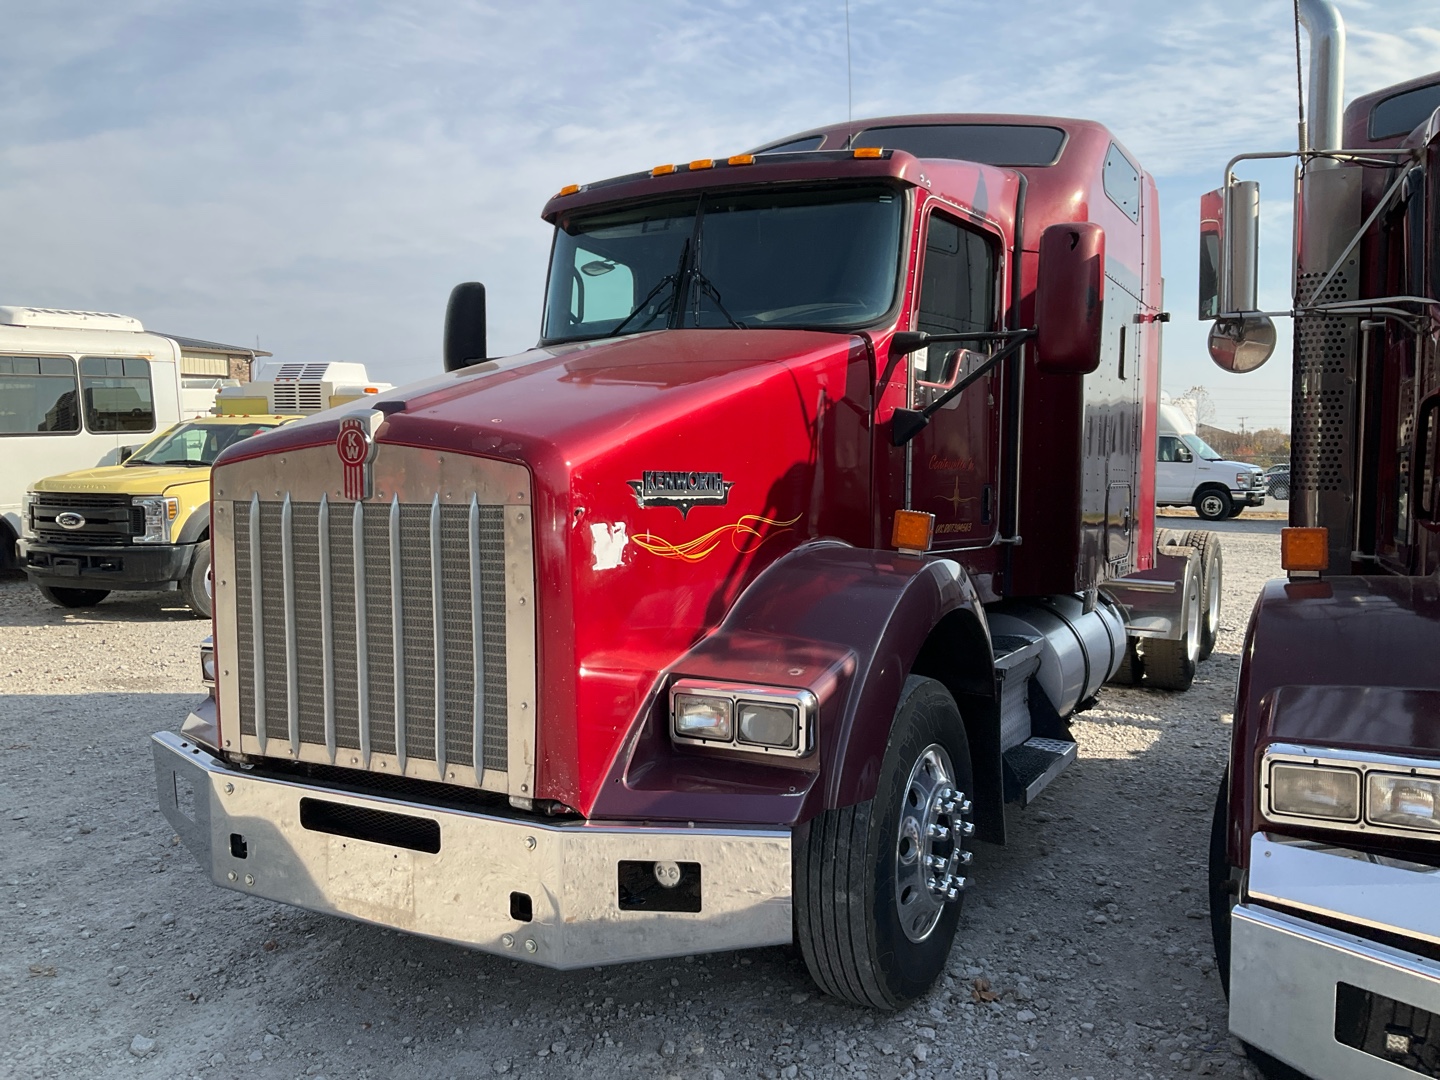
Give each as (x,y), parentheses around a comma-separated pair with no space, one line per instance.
(937,832)
(965,857)
(967,828)
(966,806)
(935,862)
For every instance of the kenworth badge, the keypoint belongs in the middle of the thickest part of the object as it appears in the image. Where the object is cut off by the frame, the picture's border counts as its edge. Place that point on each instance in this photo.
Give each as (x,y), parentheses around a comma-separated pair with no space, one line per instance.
(681,490)
(356,446)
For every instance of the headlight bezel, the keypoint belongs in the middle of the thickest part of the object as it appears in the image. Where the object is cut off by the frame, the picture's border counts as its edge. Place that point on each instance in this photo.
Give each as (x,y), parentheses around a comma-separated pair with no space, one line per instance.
(1365,765)
(160,513)
(734,697)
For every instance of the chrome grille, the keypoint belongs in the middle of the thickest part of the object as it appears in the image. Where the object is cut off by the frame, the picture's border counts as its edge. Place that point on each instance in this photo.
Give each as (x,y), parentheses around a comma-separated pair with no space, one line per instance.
(314,676)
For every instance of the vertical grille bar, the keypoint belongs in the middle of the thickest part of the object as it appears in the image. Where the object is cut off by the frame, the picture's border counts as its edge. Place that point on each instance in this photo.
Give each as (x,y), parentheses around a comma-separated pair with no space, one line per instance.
(477,635)
(292,664)
(327,625)
(438,621)
(397,632)
(258,620)
(362,647)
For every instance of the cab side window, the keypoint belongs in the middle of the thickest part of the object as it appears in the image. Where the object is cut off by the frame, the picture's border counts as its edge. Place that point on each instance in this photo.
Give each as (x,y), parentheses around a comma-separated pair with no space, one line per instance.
(957,294)
(38,394)
(116,393)
(1171,449)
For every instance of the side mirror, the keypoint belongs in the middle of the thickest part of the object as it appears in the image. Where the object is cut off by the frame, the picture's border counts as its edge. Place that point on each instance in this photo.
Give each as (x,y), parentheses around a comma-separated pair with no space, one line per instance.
(465,326)
(126,453)
(1069,297)
(1183,455)
(1232,246)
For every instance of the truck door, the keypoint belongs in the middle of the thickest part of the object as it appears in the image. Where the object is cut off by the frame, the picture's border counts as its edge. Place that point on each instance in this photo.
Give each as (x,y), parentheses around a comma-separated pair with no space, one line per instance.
(1174,471)
(954,459)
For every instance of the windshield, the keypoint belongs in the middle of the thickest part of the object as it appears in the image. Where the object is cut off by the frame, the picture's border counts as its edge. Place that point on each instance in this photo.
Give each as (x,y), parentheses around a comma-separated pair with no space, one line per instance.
(196,444)
(1200,447)
(801,259)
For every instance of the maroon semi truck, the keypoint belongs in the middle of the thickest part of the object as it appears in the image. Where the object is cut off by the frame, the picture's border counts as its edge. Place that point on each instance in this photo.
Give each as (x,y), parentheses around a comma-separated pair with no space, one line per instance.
(1325,854)
(732,612)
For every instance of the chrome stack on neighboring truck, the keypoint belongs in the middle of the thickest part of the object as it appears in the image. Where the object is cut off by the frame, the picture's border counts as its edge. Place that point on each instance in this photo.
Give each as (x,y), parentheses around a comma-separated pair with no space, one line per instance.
(1325,853)
(78,387)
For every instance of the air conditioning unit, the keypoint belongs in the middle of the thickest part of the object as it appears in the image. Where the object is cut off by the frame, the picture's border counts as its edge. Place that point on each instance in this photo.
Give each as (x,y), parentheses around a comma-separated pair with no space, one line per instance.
(288,389)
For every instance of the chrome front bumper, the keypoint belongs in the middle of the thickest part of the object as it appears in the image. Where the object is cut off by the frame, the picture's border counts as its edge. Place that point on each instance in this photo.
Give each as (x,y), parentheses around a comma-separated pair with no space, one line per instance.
(1285,971)
(295,843)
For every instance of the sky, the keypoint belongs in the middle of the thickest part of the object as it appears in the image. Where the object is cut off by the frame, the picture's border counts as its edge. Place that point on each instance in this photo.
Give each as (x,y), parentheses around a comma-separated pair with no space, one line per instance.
(315,175)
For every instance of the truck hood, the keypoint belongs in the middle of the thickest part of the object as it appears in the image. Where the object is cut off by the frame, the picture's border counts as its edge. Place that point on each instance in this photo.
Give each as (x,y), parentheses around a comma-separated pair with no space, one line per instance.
(123,480)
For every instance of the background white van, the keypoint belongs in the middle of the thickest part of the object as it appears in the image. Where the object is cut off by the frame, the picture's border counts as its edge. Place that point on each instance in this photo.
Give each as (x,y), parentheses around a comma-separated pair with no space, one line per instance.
(77,386)
(1190,473)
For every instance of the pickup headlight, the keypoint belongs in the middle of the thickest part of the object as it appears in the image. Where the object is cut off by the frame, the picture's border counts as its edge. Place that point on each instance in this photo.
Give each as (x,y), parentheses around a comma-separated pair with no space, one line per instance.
(759,719)
(27,510)
(1242,479)
(207,661)
(1315,791)
(1406,802)
(160,511)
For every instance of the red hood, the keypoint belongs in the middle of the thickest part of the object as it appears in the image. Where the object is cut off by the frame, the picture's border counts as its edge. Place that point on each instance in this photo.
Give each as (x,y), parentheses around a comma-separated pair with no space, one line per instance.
(780,420)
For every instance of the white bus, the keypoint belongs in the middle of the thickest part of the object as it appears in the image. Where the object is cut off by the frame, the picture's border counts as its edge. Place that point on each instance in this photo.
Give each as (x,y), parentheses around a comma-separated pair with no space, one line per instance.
(76,387)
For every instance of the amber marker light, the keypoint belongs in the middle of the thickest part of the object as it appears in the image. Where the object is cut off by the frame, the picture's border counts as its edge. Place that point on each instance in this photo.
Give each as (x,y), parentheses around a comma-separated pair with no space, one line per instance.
(1305,550)
(662,170)
(912,531)
(568,189)
(702,163)
(740,159)
(867,152)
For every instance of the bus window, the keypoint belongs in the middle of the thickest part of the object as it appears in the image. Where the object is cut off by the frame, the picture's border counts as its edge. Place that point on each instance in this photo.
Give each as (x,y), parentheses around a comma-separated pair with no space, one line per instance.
(38,395)
(116,391)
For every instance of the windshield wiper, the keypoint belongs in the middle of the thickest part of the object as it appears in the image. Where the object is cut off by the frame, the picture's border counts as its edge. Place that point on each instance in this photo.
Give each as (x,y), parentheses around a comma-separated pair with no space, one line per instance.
(187,462)
(136,461)
(673,280)
(707,288)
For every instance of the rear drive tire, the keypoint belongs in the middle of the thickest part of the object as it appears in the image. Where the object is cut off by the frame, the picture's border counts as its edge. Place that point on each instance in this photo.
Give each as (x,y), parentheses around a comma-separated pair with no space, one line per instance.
(73,598)
(1207,544)
(195,587)
(1170,662)
(1213,504)
(1132,667)
(871,925)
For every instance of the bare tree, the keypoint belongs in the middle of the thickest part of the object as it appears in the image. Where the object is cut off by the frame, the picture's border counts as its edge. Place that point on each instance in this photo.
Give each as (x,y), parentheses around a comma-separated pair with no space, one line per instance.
(1196,404)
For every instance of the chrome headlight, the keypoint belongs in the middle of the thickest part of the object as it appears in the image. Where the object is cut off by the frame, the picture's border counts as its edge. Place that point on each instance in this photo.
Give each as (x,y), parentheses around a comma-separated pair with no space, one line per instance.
(1242,479)
(160,511)
(1314,791)
(759,719)
(27,522)
(1405,802)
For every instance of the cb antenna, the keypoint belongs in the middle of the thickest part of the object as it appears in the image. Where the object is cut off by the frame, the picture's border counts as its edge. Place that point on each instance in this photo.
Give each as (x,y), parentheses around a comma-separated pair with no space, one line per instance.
(849,91)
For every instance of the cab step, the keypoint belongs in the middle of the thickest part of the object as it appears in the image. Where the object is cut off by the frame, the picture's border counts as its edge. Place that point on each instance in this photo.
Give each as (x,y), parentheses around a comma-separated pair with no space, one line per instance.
(1032,765)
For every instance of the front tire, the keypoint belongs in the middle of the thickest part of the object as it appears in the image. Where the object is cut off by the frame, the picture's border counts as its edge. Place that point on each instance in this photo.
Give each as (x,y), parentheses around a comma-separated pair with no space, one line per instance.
(196,586)
(73,598)
(1213,504)
(871,923)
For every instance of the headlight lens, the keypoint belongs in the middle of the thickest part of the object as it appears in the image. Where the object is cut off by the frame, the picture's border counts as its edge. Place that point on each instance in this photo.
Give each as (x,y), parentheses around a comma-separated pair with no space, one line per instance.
(1406,802)
(1315,791)
(27,511)
(765,724)
(698,717)
(160,511)
(1242,479)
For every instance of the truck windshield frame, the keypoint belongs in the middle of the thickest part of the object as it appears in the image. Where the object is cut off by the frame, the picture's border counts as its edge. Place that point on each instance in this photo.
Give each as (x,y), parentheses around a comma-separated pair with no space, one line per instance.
(769,258)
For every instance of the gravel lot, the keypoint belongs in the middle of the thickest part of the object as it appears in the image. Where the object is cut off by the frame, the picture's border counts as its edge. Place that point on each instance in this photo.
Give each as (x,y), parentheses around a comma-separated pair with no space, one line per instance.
(117,958)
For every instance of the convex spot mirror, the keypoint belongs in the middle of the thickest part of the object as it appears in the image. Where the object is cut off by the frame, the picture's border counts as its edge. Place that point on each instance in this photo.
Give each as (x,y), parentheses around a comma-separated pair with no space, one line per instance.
(1242,342)
(1069,296)
(465,326)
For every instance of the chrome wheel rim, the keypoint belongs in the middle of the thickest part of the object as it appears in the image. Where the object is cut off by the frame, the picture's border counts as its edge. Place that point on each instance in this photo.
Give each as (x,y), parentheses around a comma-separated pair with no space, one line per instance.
(1192,626)
(929,847)
(1212,592)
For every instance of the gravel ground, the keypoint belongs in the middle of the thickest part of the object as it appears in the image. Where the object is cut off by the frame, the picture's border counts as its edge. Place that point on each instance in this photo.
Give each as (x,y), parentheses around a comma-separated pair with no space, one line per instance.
(1084,950)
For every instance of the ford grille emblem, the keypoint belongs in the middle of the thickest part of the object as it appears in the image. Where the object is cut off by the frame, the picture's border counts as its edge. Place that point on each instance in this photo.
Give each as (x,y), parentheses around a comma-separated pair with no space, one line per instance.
(70,520)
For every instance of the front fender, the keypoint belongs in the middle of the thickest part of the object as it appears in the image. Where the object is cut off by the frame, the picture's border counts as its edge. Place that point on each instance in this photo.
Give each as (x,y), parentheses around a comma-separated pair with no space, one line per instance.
(1333,662)
(847,624)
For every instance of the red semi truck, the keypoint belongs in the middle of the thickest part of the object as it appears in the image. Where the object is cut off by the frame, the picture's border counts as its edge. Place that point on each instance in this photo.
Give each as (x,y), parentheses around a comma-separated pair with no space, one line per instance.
(1324,894)
(732,612)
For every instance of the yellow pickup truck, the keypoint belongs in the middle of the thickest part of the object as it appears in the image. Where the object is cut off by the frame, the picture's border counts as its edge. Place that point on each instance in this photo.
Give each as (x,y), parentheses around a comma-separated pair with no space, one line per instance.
(143,524)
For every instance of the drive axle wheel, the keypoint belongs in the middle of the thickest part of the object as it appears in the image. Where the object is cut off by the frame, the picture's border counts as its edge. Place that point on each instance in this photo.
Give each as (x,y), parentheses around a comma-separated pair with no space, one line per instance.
(1170,662)
(1207,545)
(878,886)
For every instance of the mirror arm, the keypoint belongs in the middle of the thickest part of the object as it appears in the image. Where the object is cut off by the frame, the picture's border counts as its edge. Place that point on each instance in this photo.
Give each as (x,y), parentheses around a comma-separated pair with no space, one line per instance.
(907,423)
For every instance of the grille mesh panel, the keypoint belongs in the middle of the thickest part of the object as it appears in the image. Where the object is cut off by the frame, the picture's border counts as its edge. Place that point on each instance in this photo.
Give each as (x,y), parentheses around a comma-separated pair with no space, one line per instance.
(414,680)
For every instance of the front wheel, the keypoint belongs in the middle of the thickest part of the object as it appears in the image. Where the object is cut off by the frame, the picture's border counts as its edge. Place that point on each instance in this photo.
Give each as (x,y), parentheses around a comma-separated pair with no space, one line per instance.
(879,885)
(196,586)
(73,598)
(1213,504)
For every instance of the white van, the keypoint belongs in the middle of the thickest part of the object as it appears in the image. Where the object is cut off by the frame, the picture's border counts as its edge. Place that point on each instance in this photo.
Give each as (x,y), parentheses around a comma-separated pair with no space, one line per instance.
(78,386)
(1190,473)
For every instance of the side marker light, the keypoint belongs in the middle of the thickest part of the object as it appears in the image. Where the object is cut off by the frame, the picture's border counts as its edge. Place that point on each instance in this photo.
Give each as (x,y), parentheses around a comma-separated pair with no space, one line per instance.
(740,159)
(568,189)
(912,531)
(1305,550)
(662,170)
(867,152)
(702,163)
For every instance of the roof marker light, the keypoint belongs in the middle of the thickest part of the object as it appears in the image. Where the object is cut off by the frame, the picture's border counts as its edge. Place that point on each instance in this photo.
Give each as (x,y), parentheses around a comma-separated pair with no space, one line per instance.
(568,189)
(741,159)
(867,152)
(702,163)
(662,170)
